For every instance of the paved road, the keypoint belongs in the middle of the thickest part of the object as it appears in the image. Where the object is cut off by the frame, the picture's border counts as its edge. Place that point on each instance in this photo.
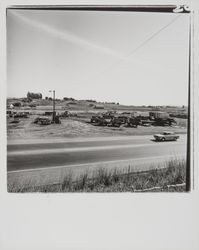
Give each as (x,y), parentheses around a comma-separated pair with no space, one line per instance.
(23,157)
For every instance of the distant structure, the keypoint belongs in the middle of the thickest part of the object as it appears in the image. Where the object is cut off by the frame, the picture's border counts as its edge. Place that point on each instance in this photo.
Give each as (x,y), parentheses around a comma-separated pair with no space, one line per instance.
(90,100)
(17,104)
(68,99)
(99,106)
(158,114)
(34,95)
(141,114)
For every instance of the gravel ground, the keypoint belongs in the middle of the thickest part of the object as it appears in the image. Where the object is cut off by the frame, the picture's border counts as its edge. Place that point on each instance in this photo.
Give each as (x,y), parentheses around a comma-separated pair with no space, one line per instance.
(70,128)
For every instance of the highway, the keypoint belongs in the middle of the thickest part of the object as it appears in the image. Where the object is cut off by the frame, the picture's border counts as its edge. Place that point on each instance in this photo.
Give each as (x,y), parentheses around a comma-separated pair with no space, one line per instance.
(46,154)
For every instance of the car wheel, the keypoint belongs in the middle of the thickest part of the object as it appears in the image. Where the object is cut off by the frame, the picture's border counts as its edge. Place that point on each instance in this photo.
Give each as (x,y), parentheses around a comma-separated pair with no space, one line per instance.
(163,139)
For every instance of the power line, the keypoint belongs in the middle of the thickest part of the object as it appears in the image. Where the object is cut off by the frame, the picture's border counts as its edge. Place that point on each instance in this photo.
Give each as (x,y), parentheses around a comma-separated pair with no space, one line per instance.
(140,46)
(153,35)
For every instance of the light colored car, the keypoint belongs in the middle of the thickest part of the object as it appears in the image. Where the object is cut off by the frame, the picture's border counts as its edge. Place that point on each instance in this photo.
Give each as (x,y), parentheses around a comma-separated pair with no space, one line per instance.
(166,136)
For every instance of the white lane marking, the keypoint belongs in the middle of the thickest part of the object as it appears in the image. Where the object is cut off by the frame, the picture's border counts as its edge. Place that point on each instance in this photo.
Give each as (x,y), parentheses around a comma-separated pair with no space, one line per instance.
(164,157)
(84,139)
(79,139)
(81,149)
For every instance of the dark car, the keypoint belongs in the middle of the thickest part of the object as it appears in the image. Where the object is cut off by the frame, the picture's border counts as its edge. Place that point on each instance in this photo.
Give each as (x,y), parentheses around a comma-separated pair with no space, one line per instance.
(42,121)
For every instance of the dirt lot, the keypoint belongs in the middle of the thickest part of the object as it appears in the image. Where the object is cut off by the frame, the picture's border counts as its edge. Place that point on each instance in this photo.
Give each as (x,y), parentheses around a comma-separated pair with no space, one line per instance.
(79,127)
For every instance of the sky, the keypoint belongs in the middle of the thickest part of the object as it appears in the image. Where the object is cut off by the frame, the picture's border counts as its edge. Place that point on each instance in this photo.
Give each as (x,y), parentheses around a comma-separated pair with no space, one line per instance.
(133,58)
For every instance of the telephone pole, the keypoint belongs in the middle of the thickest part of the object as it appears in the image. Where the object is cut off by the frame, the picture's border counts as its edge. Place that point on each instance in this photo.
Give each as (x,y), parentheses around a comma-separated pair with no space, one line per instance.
(54,113)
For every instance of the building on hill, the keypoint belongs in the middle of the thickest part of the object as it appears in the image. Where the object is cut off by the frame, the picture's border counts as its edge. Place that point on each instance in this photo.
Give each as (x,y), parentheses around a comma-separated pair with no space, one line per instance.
(34,95)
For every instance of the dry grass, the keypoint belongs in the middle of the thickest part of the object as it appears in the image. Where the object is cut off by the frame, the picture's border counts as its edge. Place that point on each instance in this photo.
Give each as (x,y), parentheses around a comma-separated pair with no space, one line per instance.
(114,180)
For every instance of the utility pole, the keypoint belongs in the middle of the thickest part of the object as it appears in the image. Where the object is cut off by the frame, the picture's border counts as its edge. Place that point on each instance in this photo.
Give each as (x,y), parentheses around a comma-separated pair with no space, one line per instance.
(54,106)
(188,161)
(54,113)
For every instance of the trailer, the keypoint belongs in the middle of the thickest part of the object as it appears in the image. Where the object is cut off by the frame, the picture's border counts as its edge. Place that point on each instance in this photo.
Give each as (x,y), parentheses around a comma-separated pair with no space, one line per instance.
(158,115)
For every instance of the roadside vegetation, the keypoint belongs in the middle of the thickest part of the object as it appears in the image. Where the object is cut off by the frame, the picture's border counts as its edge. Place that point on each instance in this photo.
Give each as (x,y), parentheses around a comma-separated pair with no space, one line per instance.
(169,179)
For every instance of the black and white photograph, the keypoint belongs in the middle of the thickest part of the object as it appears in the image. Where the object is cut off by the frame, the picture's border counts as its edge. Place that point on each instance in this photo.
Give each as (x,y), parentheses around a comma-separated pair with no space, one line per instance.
(99,125)
(98,99)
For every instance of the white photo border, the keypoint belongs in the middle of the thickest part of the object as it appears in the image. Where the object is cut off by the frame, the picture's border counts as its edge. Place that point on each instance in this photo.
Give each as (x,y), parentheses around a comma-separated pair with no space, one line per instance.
(101,221)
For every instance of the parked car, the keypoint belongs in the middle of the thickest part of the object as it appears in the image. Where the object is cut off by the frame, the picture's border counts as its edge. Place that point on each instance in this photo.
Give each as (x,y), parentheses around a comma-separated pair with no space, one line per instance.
(21,115)
(42,121)
(166,136)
